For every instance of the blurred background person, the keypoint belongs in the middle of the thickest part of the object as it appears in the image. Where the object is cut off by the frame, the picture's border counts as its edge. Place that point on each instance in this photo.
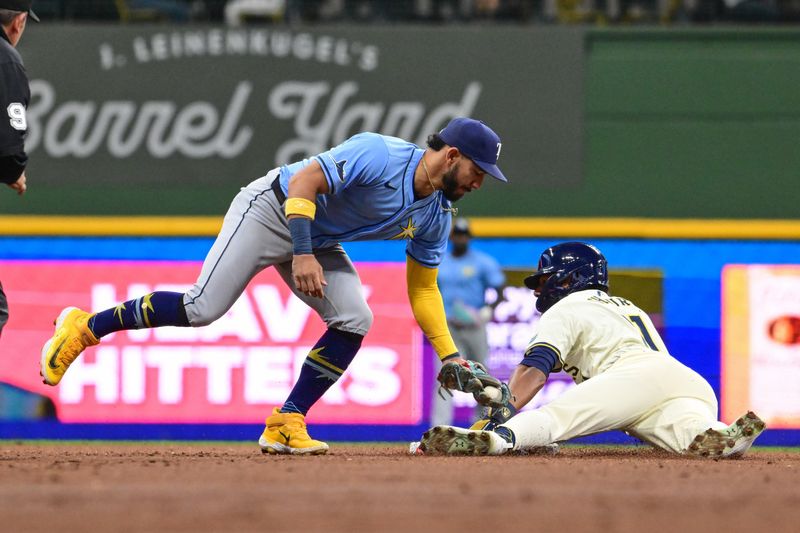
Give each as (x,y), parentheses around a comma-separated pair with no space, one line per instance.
(3,309)
(15,94)
(237,11)
(174,11)
(15,403)
(464,277)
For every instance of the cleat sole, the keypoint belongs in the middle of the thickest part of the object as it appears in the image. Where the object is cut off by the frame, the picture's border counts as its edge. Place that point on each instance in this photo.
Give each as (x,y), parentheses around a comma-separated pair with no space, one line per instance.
(276,448)
(447,440)
(732,442)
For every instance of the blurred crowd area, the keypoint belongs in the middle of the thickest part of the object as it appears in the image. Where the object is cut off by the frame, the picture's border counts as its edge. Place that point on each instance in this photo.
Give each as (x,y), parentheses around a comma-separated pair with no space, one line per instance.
(598,12)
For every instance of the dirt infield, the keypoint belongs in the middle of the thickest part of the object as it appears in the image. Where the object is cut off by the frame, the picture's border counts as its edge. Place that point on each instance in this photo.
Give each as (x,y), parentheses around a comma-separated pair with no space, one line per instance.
(65,488)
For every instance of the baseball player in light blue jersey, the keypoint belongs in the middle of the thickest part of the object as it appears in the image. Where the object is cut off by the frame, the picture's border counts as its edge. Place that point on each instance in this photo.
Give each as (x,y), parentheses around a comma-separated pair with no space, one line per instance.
(370,187)
(626,378)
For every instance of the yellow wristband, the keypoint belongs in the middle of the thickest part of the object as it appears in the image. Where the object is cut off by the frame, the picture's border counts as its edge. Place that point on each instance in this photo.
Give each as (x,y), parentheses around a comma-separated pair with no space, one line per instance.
(300,206)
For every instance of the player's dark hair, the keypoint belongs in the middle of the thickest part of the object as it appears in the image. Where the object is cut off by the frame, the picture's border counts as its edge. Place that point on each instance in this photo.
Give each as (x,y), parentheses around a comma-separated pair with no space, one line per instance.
(7,16)
(435,142)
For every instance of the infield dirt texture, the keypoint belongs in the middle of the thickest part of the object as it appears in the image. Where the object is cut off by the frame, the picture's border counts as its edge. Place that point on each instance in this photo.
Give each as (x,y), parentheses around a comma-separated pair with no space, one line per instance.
(79,487)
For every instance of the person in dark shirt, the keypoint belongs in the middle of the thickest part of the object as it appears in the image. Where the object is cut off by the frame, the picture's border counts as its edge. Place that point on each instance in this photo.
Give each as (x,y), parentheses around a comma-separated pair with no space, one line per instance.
(15,93)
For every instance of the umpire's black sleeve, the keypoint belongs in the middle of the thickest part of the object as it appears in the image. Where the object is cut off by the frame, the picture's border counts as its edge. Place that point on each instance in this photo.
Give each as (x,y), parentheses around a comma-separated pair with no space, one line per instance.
(3,308)
(12,167)
(14,97)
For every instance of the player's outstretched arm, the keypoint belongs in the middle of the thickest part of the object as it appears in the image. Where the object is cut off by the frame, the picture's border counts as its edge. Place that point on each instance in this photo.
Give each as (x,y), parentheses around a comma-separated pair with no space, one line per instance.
(525,383)
(426,304)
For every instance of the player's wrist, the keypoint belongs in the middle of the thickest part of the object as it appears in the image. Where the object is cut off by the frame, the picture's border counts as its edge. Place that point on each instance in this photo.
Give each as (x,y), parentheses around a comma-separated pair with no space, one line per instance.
(452,357)
(502,414)
(300,229)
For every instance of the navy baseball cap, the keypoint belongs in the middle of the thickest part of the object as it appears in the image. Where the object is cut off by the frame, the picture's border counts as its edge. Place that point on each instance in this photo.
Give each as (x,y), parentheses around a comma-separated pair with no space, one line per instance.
(19,5)
(477,141)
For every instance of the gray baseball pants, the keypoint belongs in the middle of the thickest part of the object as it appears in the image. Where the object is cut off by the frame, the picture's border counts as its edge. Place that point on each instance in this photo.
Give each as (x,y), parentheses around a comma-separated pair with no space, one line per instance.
(254,236)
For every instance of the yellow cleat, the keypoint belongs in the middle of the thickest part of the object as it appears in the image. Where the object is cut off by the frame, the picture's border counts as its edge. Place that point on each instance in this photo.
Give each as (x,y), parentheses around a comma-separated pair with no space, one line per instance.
(479,424)
(72,336)
(286,433)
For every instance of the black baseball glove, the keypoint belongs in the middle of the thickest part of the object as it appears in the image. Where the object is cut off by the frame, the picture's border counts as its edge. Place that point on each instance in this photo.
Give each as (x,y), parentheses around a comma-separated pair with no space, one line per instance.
(472,377)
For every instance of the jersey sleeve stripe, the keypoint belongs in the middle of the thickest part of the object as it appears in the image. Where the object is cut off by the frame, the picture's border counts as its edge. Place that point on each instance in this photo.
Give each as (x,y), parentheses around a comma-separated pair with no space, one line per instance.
(546,345)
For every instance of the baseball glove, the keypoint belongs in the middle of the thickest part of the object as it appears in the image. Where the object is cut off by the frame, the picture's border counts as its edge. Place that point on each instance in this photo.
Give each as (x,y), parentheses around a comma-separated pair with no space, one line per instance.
(472,377)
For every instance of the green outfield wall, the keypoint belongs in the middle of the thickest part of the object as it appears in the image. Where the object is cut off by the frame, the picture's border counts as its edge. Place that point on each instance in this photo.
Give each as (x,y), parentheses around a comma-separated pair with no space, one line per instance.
(693,124)
(657,124)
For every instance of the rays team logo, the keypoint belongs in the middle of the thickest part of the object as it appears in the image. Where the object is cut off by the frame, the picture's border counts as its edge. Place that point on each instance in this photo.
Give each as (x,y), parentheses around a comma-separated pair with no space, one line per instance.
(407,231)
(340,169)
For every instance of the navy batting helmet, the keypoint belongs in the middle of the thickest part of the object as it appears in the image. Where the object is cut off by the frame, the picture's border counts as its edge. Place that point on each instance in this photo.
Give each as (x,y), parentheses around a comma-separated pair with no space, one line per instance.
(571,267)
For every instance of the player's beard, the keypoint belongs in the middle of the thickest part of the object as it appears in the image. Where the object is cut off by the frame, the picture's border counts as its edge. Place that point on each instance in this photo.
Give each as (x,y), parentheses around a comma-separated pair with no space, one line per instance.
(450,185)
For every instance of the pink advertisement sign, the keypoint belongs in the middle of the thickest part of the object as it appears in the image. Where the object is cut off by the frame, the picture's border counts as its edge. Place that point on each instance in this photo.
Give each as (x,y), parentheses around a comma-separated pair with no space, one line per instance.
(232,371)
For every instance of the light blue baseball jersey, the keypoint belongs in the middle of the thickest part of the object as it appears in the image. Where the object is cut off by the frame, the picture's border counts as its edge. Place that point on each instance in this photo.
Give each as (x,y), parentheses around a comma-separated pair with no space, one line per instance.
(371,197)
(465,279)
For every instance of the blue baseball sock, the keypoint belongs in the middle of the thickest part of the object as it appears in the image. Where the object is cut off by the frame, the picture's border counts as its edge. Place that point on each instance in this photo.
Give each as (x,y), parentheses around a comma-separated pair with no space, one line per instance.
(323,366)
(151,311)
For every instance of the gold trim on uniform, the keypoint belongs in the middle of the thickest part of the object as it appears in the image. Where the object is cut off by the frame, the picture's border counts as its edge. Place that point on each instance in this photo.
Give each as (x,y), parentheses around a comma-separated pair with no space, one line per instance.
(118,312)
(315,355)
(408,230)
(147,305)
(300,206)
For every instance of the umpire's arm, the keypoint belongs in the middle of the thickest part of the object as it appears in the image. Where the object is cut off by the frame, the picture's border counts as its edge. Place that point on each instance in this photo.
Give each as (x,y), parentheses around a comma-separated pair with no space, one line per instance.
(428,309)
(14,96)
(12,171)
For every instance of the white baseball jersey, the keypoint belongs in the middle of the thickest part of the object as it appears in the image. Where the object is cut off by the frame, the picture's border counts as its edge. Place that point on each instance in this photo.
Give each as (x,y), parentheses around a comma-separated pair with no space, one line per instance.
(590,330)
(627,379)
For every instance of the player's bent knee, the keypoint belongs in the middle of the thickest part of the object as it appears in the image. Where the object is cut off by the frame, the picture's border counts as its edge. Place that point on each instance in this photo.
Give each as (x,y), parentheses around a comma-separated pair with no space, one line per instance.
(357,321)
(200,321)
(367,319)
(200,315)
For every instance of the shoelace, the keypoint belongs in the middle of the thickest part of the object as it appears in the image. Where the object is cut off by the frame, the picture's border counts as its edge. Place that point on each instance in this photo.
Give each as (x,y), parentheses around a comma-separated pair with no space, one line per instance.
(297,426)
(71,351)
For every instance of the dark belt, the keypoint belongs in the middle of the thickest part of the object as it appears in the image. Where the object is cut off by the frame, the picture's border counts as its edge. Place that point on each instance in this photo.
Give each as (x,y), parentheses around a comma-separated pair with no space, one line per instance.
(276,188)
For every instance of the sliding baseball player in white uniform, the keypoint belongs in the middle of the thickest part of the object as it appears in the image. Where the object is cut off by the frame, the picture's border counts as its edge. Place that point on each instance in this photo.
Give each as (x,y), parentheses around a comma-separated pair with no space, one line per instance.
(626,378)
